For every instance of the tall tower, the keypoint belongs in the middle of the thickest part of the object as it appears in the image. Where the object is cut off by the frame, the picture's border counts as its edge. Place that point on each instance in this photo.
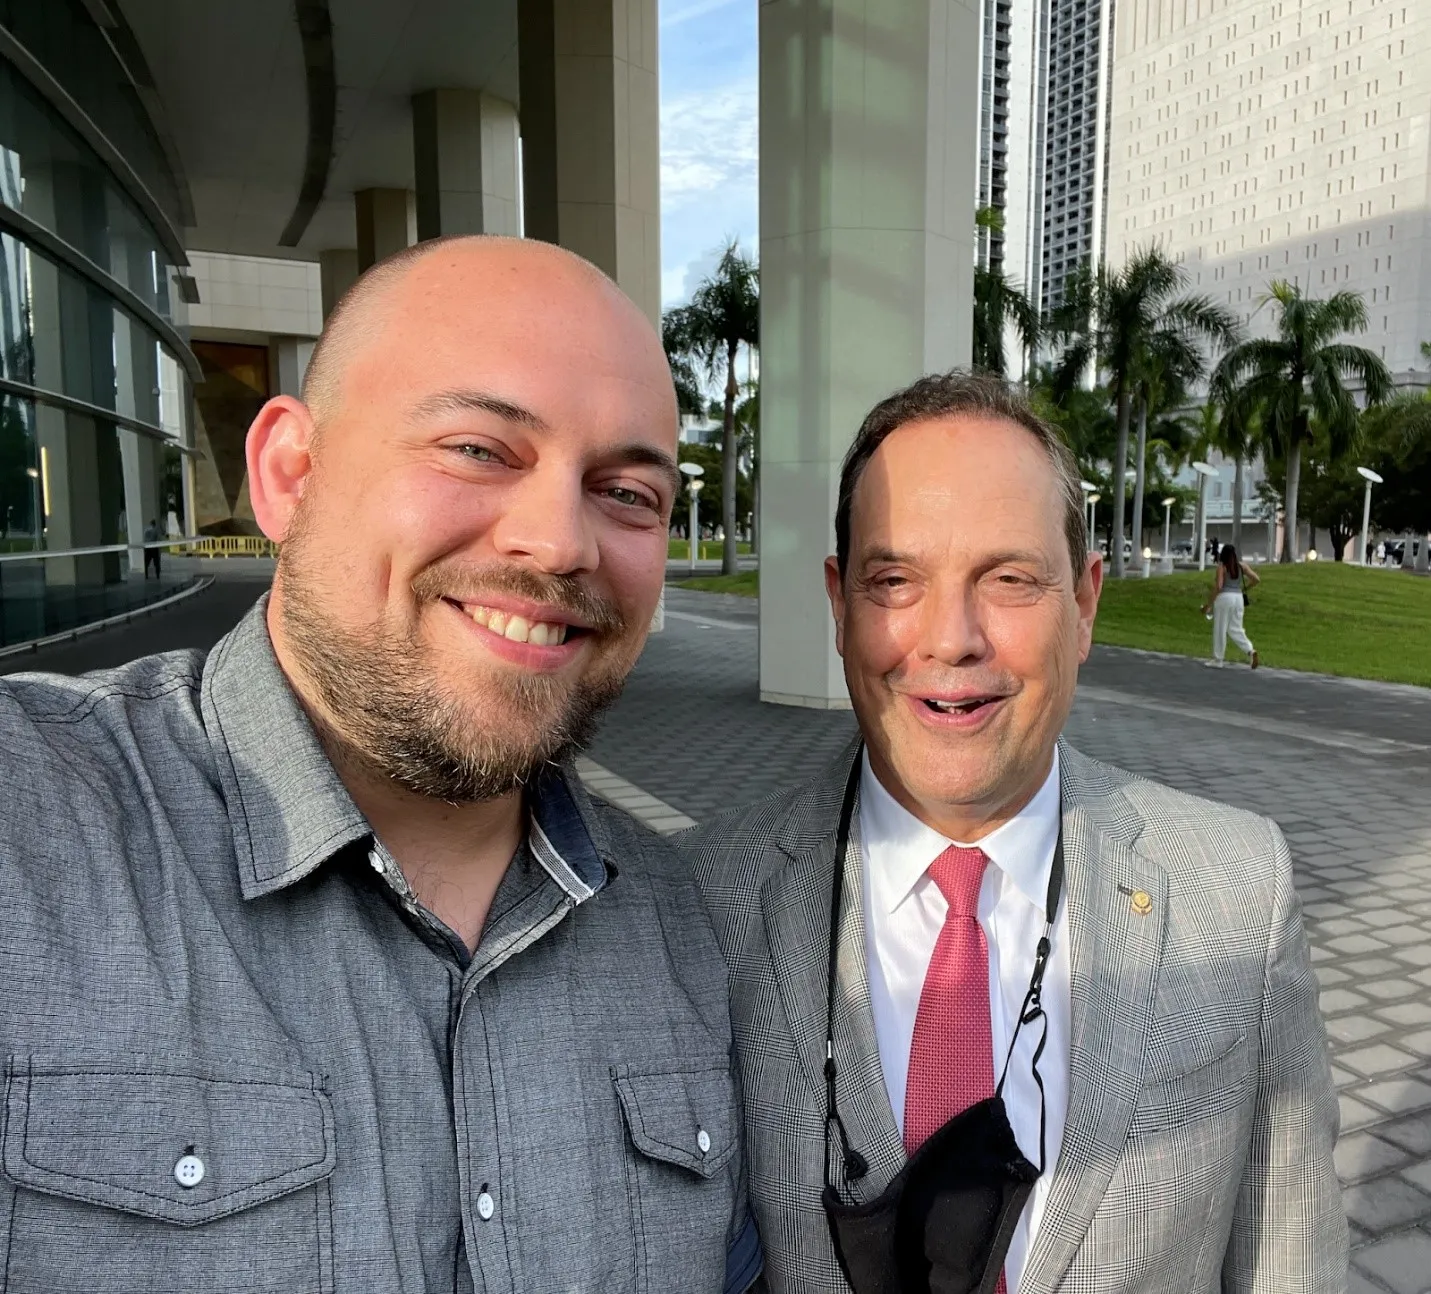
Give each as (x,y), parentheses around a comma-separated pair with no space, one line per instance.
(1075,72)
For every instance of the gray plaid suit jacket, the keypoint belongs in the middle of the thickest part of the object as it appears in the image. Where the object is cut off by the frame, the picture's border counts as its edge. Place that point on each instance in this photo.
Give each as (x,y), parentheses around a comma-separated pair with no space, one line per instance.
(1197,1154)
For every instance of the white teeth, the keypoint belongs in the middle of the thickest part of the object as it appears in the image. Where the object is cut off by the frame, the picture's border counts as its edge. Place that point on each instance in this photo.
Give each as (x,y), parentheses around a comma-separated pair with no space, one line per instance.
(519,629)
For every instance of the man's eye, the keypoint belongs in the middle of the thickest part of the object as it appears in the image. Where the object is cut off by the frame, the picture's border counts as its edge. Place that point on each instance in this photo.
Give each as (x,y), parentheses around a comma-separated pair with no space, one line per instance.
(478,453)
(628,498)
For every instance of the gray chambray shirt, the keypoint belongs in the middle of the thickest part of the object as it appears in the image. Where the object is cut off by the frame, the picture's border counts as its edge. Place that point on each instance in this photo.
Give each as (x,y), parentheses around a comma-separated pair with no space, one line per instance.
(240,1058)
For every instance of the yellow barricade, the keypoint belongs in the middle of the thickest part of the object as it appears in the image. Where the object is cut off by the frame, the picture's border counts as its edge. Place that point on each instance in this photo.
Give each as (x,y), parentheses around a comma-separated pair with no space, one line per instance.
(231,546)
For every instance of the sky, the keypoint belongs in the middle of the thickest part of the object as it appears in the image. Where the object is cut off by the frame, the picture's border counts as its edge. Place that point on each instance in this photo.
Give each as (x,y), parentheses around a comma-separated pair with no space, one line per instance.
(708,137)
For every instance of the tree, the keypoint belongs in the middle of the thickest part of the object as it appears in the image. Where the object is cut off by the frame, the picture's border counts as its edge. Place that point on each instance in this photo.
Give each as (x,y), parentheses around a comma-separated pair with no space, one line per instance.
(1233,428)
(999,302)
(1122,323)
(1300,375)
(689,400)
(1401,429)
(723,315)
(712,495)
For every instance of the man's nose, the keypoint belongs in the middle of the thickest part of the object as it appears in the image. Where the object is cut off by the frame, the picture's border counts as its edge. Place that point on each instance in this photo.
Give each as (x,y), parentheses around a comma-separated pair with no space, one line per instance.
(952,628)
(546,522)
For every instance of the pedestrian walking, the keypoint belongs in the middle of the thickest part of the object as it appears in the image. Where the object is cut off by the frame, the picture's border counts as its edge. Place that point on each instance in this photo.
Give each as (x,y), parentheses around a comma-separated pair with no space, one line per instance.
(151,555)
(1228,601)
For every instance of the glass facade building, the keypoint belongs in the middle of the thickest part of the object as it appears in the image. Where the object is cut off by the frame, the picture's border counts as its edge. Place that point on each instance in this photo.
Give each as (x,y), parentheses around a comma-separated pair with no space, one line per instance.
(95,365)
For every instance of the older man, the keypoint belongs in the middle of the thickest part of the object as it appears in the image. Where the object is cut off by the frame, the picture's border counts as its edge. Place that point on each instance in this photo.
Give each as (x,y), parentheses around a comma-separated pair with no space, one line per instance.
(320,970)
(1010,1018)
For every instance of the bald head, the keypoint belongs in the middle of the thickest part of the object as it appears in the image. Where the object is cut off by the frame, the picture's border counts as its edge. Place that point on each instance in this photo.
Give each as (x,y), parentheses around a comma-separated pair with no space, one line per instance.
(481,268)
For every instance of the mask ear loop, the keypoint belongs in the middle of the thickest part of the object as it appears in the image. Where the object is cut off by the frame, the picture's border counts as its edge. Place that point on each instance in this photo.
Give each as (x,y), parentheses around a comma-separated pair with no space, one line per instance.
(855,1164)
(1032,1010)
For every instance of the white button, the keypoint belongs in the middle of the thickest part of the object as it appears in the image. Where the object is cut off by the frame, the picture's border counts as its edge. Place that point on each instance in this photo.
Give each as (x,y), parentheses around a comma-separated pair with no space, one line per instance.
(189,1171)
(703,1140)
(485,1207)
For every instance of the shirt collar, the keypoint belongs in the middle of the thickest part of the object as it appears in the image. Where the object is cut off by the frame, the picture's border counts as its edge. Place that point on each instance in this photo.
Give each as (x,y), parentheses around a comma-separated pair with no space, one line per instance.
(289,810)
(1022,848)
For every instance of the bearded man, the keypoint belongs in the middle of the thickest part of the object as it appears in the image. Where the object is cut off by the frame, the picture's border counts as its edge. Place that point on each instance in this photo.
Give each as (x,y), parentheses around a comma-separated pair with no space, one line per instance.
(320,969)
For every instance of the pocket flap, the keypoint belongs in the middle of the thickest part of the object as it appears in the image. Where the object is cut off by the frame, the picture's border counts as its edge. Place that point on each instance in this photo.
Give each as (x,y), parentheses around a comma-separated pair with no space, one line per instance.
(683,1116)
(115,1139)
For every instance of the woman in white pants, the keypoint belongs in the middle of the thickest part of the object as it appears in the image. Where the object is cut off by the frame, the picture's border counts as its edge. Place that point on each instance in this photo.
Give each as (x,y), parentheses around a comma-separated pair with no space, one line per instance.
(1232,581)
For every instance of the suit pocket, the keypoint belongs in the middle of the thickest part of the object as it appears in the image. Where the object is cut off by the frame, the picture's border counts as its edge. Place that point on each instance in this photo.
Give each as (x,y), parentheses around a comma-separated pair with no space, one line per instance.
(1203,1084)
(682,1161)
(130,1179)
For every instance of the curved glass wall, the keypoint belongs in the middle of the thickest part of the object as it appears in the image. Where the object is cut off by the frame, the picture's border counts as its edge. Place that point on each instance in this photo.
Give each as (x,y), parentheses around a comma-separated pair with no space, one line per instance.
(94,399)
(62,35)
(48,173)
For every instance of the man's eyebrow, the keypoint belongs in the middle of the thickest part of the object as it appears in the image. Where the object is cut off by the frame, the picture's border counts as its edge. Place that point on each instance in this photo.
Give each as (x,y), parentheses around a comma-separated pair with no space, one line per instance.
(464,400)
(1027,556)
(637,454)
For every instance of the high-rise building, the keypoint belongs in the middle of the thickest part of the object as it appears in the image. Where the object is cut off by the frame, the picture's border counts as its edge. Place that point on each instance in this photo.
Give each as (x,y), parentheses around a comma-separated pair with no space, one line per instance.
(1258,140)
(1076,71)
(1043,138)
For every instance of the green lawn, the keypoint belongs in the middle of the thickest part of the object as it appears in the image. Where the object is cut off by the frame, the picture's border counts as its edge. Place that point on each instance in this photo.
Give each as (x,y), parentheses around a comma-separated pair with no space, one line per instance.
(1326,617)
(746,584)
(679,550)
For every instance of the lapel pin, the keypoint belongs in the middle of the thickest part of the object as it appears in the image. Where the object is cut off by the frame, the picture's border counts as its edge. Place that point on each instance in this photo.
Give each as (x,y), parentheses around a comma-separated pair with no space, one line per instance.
(1142,902)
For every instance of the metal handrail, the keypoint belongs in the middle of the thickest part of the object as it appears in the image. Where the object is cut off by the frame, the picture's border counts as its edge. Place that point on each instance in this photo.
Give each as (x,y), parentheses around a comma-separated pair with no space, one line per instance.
(46,555)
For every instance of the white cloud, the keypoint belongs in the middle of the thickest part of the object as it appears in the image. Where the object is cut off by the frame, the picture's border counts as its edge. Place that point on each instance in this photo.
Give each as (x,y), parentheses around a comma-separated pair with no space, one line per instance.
(709,139)
(681,14)
(709,136)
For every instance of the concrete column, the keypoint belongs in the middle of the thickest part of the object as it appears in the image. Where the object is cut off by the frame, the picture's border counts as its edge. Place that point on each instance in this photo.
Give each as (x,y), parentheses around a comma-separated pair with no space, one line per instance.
(136,376)
(867,196)
(337,272)
(591,138)
(383,226)
(79,457)
(287,363)
(464,148)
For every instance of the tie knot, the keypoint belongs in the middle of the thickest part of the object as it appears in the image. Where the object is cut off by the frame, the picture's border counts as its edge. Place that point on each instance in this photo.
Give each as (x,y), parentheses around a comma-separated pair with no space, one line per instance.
(958,873)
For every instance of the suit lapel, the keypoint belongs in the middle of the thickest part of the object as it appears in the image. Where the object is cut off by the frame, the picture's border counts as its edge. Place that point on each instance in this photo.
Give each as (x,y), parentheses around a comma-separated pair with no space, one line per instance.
(796,907)
(1117,909)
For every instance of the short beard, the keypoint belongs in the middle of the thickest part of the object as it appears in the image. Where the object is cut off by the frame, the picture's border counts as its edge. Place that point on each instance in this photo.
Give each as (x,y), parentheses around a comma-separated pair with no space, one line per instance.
(382,705)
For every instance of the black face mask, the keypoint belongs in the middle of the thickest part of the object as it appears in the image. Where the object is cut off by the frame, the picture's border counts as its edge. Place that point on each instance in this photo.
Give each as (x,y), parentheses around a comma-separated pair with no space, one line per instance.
(944,1224)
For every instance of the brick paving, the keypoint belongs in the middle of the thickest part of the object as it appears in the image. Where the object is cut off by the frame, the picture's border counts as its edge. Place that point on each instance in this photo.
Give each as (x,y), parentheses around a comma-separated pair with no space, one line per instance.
(1345,767)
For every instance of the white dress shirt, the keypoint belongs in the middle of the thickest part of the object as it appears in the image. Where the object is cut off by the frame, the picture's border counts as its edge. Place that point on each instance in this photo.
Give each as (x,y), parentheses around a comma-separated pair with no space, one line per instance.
(904,913)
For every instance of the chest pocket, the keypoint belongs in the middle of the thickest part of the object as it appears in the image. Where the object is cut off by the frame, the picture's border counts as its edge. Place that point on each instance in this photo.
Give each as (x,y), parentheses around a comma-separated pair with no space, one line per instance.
(681,1178)
(137,1181)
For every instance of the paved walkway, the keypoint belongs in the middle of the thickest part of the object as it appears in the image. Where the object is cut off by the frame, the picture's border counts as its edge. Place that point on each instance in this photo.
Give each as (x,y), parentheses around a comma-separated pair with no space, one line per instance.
(1345,767)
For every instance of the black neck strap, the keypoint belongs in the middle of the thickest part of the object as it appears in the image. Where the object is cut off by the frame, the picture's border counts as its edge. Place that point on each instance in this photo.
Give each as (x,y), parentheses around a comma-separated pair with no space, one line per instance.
(1032,1010)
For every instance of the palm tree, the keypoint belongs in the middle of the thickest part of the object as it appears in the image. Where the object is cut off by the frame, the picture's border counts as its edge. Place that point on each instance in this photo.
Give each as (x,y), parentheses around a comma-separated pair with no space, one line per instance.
(723,315)
(1235,434)
(1299,375)
(1123,322)
(999,302)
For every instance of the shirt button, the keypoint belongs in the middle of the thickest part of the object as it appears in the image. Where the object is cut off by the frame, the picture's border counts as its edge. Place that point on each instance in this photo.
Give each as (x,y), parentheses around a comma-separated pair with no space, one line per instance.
(485,1206)
(703,1140)
(189,1171)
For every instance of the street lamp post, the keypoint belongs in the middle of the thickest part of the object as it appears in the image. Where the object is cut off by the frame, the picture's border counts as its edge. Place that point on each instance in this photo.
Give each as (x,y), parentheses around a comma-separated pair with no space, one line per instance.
(693,473)
(1092,500)
(1167,562)
(1203,470)
(1371,479)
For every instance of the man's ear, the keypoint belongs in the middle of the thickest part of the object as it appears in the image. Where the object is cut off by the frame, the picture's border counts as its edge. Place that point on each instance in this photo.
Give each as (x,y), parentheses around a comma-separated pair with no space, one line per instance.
(835,590)
(1086,594)
(279,451)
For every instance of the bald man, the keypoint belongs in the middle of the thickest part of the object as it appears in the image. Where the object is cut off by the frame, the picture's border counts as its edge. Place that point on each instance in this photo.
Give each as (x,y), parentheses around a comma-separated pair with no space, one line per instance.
(320,969)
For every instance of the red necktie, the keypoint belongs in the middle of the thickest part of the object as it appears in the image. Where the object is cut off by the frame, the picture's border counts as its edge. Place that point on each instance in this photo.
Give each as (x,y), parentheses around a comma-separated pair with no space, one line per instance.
(951,1059)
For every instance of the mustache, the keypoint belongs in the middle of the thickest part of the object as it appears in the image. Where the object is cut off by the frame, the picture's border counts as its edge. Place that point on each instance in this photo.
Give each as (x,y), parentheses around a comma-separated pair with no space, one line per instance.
(463,583)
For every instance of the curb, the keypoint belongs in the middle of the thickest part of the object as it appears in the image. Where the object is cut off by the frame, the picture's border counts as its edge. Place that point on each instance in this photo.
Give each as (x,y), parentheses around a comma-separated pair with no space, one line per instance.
(71,635)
